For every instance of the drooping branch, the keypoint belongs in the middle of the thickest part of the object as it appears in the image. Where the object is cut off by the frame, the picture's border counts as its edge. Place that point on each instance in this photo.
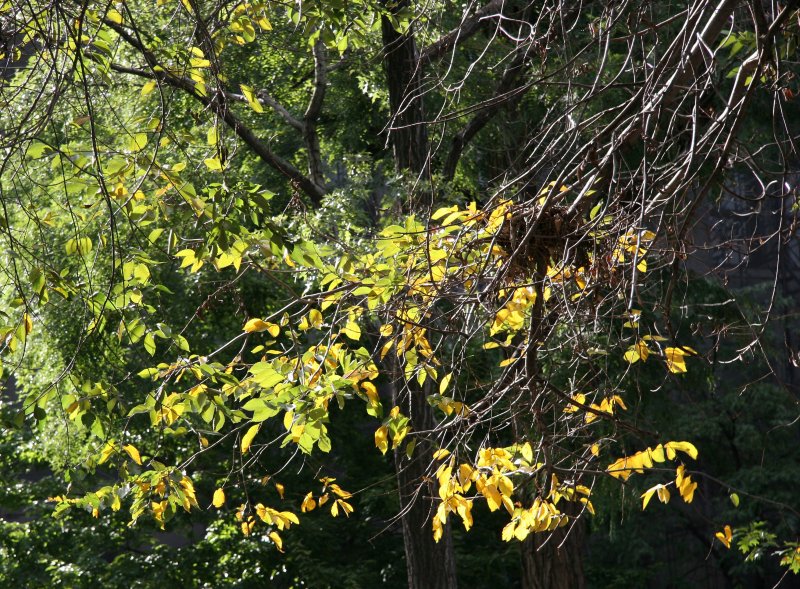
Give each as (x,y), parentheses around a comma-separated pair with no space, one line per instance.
(216,102)
(468,26)
(507,93)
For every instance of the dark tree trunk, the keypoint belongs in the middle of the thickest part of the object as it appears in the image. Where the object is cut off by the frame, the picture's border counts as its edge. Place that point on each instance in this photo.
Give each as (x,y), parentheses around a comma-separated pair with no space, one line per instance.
(430,565)
(407,131)
(554,563)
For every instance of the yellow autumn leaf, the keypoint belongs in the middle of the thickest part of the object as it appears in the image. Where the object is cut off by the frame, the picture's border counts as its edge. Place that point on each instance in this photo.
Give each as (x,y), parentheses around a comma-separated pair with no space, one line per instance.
(308,503)
(276,539)
(219,498)
(250,97)
(387,330)
(441,453)
(247,438)
(347,509)
(351,330)
(725,536)
(657,454)
(493,498)
(675,358)
(315,318)
(382,439)
(133,453)
(281,489)
(213,164)
(686,447)
(647,495)
(371,391)
(445,382)
(257,325)
(108,450)
(158,509)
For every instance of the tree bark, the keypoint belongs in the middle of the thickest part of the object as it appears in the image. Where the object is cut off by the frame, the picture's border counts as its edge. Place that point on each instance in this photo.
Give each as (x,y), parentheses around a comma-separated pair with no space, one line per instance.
(430,565)
(555,562)
(407,131)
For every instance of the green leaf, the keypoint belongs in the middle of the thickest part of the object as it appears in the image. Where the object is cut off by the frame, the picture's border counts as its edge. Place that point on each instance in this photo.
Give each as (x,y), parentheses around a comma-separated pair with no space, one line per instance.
(251,99)
(150,343)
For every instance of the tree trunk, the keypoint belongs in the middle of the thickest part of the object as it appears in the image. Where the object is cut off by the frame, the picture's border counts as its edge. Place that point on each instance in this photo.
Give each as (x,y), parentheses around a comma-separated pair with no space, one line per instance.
(430,565)
(407,130)
(553,562)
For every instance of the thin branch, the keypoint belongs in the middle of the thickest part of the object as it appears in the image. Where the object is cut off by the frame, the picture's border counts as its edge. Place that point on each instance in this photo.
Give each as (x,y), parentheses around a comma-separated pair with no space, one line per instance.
(468,27)
(505,94)
(216,103)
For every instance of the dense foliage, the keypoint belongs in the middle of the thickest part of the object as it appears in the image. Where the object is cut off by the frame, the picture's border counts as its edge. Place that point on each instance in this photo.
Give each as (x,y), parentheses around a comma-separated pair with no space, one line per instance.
(341,294)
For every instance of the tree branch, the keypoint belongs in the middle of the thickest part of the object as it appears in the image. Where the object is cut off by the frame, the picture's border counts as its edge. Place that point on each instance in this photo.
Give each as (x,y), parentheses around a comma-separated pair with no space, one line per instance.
(505,94)
(216,102)
(468,27)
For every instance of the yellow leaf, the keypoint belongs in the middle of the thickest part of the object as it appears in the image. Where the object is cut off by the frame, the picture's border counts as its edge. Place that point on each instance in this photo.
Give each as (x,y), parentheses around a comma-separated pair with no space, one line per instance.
(445,381)
(381,439)
(247,526)
(725,536)
(133,453)
(386,347)
(508,531)
(148,87)
(247,438)
(527,452)
(657,454)
(437,529)
(114,16)
(735,499)
(219,498)
(308,503)
(256,325)
(493,498)
(387,330)
(275,537)
(158,511)
(663,494)
(686,447)
(108,450)
(351,330)
(441,453)
(443,211)
(213,164)
(675,360)
(315,318)
(647,495)
(632,356)
(280,488)
(347,509)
